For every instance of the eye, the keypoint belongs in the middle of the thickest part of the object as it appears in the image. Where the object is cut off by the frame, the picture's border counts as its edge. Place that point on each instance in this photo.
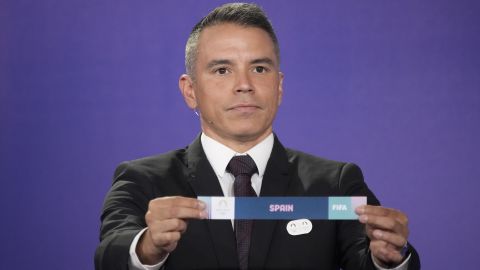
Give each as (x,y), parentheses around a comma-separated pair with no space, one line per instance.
(221,71)
(260,69)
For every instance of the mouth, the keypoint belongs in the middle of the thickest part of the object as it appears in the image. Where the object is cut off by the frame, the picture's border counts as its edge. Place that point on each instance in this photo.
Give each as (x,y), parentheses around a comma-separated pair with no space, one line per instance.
(244,108)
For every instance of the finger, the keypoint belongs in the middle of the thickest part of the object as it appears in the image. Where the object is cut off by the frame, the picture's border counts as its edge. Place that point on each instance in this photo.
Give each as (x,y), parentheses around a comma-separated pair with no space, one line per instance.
(376,248)
(382,252)
(179,201)
(164,239)
(388,256)
(382,211)
(373,210)
(396,240)
(175,212)
(369,231)
(170,247)
(384,223)
(177,207)
(168,225)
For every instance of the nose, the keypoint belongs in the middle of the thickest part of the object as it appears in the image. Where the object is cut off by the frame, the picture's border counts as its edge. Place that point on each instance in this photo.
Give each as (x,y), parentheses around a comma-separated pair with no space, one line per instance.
(244,83)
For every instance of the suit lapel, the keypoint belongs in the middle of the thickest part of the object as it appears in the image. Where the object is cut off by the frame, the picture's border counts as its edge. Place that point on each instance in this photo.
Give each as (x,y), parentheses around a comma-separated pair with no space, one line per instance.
(204,182)
(275,183)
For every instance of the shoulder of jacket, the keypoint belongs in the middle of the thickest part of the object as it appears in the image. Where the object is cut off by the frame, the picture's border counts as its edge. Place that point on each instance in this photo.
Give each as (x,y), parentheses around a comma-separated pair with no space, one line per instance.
(153,165)
(300,157)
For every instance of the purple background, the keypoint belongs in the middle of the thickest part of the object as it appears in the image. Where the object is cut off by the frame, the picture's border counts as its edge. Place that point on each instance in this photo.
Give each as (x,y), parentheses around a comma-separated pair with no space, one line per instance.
(390,85)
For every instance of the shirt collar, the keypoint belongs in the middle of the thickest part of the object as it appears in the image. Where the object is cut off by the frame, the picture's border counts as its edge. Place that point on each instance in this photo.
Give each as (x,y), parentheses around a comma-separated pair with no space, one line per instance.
(220,155)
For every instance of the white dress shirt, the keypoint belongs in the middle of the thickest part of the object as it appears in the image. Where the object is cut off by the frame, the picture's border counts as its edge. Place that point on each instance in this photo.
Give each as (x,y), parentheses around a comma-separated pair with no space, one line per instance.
(219,156)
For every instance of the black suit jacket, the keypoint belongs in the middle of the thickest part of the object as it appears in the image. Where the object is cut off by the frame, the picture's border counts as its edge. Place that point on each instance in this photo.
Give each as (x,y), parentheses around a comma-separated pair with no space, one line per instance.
(210,244)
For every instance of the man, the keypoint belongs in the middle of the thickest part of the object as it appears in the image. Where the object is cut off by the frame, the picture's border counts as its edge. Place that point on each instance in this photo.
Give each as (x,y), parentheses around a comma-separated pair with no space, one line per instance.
(152,219)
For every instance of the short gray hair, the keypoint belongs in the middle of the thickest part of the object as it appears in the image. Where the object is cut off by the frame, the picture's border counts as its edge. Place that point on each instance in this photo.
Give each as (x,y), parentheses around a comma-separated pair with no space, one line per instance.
(243,14)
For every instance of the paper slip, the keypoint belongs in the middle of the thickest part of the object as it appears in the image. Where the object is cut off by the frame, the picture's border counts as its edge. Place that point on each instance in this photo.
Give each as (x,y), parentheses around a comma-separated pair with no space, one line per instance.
(327,208)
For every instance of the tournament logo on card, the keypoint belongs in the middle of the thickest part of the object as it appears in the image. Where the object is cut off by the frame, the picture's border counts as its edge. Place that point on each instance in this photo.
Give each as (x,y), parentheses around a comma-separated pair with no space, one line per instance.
(222,208)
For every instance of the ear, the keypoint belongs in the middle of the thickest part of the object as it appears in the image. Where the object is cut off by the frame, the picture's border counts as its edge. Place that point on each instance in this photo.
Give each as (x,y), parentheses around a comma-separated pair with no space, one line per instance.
(185,83)
(280,88)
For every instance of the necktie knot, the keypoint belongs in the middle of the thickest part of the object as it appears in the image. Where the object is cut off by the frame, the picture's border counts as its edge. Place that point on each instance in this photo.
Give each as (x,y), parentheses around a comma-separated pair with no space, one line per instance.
(242,165)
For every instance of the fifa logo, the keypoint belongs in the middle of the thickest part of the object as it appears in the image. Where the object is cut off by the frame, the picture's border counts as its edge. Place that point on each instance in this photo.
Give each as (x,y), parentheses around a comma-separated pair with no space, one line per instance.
(339,207)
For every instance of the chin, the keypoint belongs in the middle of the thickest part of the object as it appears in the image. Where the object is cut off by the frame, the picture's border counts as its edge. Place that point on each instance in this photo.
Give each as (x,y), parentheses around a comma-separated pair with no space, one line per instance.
(248,134)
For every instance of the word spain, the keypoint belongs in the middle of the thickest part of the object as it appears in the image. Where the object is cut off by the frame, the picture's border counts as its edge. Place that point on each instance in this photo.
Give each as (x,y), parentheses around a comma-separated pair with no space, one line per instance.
(281,207)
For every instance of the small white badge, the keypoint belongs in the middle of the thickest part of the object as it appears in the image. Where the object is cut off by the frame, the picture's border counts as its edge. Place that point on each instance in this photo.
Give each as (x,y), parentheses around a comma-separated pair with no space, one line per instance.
(299,226)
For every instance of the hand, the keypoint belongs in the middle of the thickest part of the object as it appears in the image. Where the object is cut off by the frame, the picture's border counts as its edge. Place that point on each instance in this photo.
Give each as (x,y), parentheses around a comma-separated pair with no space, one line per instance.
(388,232)
(166,221)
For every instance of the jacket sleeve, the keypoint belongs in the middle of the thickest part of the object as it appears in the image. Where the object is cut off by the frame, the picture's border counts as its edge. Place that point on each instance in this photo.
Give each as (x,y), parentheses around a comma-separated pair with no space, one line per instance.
(122,217)
(352,239)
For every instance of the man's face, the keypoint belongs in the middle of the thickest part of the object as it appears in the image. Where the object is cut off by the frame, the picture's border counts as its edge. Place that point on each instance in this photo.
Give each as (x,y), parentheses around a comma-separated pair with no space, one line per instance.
(238,86)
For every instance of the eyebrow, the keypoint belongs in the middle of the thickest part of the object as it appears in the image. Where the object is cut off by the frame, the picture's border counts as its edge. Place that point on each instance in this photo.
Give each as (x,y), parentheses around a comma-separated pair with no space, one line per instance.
(264,60)
(217,62)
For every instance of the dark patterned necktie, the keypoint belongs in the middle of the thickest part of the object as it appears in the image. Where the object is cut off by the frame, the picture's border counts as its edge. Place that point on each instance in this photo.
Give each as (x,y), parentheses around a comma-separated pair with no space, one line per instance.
(242,167)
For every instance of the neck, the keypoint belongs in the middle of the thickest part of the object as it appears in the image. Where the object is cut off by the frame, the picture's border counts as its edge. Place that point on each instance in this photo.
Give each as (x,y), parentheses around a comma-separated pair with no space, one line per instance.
(239,144)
